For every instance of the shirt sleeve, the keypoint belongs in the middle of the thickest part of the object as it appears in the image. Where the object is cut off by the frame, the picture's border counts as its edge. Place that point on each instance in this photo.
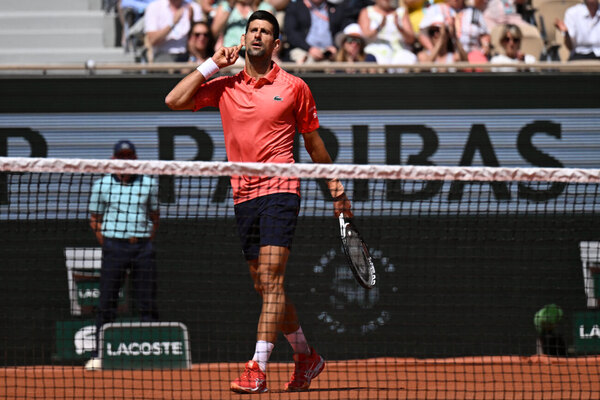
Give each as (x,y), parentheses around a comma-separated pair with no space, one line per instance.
(96,206)
(209,93)
(306,114)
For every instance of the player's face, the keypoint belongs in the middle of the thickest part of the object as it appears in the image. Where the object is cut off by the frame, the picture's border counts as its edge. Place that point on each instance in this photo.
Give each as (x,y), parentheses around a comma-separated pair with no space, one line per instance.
(259,40)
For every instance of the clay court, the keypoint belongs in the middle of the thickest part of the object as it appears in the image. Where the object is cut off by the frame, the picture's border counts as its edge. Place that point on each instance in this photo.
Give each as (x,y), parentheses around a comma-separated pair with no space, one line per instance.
(383,378)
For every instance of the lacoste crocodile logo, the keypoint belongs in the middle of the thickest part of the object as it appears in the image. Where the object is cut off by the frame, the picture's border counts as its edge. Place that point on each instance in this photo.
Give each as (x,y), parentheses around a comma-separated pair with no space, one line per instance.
(278,98)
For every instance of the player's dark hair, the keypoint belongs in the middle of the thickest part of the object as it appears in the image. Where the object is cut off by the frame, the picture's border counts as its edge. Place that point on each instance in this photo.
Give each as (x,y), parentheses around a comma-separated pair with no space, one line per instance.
(266,16)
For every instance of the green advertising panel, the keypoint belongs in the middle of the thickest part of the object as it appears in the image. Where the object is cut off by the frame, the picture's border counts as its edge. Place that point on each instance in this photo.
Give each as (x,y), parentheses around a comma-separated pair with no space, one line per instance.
(145,345)
(88,293)
(75,340)
(586,331)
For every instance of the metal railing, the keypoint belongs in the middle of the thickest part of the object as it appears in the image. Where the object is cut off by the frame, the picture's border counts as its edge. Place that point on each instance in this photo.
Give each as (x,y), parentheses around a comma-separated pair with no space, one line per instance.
(91,68)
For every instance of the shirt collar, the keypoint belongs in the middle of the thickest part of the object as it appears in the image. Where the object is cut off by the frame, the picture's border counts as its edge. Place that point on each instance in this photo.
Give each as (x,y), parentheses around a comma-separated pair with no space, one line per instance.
(309,4)
(131,180)
(269,77)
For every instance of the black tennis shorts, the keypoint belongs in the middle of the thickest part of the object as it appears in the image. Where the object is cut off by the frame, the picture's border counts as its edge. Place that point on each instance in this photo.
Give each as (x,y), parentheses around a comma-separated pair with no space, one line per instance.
(267,221)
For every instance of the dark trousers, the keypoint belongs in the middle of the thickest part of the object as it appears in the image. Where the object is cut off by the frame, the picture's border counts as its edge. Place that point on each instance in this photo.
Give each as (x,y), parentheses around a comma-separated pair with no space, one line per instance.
(117,257)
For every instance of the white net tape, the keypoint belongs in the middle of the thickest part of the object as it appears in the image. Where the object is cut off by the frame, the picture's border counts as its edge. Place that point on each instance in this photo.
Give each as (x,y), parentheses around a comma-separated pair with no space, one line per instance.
(344,171)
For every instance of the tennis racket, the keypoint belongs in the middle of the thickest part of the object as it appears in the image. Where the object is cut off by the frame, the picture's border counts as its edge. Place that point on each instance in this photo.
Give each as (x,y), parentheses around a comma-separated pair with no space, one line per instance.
(357,253)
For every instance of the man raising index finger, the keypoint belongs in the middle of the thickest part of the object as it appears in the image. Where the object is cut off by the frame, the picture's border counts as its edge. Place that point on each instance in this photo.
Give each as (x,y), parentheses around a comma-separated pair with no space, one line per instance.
(269,105)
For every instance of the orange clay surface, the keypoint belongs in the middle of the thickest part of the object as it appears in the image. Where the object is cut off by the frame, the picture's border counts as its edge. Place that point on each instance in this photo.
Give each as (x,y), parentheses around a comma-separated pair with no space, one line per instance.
(506,377)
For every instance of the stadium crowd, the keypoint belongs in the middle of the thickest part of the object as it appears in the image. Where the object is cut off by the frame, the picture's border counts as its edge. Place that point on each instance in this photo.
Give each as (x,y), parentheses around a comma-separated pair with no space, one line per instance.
(379,31)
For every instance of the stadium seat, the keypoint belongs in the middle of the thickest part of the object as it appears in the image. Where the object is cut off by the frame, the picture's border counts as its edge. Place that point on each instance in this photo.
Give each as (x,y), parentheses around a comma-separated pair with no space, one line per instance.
(56,32)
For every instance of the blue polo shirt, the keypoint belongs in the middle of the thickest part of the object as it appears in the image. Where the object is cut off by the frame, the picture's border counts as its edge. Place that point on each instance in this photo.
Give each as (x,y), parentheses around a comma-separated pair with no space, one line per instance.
(125,206)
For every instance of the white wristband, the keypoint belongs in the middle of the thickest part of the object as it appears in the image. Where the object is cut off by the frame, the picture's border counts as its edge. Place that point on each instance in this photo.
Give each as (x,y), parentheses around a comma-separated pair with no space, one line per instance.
(208,68)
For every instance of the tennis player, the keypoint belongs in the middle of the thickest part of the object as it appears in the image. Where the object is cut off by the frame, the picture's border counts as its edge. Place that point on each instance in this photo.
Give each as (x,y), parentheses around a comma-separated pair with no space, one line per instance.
(261,108)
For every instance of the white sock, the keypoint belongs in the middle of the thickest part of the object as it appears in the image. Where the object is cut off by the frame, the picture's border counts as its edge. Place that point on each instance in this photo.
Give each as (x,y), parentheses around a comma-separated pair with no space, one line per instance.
(262,353)
(298,342)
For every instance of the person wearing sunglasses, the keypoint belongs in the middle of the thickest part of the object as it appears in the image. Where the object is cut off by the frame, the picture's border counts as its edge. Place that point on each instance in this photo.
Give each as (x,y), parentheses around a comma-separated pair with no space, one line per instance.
(510,41)
(201,43)
(351,44)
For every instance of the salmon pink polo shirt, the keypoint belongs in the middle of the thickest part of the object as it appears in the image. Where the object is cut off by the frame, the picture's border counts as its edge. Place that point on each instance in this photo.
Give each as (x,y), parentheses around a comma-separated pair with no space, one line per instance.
(260,118)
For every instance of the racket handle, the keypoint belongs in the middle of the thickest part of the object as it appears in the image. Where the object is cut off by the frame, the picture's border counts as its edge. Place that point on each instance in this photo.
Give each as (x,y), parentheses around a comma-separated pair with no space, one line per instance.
(342,225)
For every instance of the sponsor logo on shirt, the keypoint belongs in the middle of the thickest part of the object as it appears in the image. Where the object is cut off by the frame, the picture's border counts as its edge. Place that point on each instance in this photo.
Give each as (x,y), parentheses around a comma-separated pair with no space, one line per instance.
(278,98)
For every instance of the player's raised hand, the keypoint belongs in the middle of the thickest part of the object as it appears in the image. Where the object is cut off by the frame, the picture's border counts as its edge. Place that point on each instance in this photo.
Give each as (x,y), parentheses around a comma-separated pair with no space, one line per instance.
(226,56)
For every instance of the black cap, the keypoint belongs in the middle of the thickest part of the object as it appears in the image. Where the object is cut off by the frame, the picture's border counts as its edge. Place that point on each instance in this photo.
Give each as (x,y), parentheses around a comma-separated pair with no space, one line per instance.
(124,149)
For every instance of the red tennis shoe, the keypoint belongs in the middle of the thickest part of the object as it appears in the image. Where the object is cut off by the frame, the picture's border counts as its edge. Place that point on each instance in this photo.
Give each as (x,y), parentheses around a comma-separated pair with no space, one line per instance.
(306,369)
(252,380)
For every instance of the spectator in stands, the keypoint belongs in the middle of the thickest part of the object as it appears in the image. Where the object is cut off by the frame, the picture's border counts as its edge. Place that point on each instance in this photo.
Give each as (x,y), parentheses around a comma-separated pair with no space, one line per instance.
(581,30)
(446,49)
(387,27)
(311,26)
(130,11)
(124,216)
(416,11)
(231,17)
(351,44)
(510,40)
(445,11)
(472,32)
(167,23)
(201,43)
(502,12)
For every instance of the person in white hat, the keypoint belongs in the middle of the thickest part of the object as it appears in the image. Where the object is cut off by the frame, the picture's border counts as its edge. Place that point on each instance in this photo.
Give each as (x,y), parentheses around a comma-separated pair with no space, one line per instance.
(351,43)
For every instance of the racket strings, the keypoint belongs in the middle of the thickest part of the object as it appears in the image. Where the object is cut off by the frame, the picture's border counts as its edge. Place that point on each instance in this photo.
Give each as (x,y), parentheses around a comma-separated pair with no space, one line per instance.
(357,254)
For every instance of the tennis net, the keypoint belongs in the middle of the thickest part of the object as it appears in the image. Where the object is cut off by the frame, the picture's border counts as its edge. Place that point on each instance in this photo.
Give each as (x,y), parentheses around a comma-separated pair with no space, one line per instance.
(488,282)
